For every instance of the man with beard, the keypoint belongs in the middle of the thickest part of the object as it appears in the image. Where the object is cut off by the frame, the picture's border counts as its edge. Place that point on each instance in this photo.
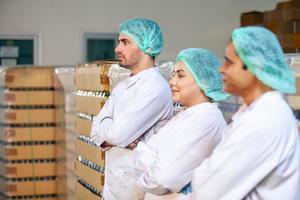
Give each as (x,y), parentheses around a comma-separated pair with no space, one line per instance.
(137,107)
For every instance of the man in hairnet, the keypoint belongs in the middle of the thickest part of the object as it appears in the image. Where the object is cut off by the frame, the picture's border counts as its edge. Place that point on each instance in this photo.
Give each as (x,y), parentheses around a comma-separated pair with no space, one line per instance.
(259,158)
(137,107)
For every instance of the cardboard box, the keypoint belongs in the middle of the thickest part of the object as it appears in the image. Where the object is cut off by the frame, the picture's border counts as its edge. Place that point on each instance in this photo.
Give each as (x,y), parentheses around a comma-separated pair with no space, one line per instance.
(70,120)
(251,18)
(13,116)
(60,134)
(83,193)
(59,116)
(28,152)
(21,170)
(287,5)
(62,187)
(91,78)
(297,75)
(37,197)
(28,77)
(91,176)
(83,126)
(88,104)
(290,41)
(284,15)
(70,162)
(71,195)
(32,98)
(36,187)
(71,182)
(64,77)
(71,142)
(61,151)
(294,102)
(90,152)
(15,134)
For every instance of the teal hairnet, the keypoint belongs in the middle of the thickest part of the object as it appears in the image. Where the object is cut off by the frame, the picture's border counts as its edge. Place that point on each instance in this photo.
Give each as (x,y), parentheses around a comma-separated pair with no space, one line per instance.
(146,34)
(204,66)
(261,52)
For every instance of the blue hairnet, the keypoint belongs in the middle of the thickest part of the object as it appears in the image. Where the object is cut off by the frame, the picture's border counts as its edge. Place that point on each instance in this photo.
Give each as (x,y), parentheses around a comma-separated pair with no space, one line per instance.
(146,34)
(261,52)
(204,66)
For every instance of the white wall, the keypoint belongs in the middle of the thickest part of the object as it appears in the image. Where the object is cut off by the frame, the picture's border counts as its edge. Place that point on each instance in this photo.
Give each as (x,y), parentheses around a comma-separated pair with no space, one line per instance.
(185,23)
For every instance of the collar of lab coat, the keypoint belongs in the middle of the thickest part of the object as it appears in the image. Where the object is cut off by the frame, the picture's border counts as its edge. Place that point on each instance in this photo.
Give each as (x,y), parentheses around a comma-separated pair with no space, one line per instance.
(205,105)
(130,81)
(244,108)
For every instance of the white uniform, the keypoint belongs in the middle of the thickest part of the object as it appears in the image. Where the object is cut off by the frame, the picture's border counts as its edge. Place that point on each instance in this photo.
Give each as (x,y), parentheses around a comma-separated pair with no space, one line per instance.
(258,159)
(167,160)
(134,107)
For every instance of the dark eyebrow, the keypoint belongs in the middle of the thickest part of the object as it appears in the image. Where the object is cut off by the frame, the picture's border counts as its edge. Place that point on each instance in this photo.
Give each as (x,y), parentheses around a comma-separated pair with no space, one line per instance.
(123,40)
(228,59)
(179,71)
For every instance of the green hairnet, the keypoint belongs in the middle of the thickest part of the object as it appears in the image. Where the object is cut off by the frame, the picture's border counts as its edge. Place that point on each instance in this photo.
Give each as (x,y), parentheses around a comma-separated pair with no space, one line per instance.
(146,34)
(261,52)
(204,66)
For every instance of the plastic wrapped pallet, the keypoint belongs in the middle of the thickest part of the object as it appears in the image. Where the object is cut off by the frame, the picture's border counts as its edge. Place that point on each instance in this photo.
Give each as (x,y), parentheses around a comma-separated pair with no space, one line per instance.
(31,116)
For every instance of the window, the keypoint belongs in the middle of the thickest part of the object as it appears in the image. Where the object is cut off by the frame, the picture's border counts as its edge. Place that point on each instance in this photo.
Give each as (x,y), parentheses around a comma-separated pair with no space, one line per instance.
(19,50)
(99,46)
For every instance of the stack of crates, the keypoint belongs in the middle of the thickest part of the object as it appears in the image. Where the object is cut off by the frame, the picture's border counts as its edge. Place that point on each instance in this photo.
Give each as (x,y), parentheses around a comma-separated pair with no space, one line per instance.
(294,100)
(31,122)
(284,21)
(92,90)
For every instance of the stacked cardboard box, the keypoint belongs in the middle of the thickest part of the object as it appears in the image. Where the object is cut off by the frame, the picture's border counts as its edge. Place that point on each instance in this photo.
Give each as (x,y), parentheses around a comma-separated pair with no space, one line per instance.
(284,21)
(294,100)
(92,90)
(31,115)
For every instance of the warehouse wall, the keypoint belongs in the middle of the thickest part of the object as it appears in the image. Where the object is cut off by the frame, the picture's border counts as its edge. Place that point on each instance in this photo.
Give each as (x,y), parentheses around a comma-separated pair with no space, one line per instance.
(61,23)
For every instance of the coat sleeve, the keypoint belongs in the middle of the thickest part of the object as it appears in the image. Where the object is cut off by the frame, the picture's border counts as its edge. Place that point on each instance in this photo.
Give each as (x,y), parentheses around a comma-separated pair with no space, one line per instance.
(103,119)
(170,167)
(140,114)
(237,165)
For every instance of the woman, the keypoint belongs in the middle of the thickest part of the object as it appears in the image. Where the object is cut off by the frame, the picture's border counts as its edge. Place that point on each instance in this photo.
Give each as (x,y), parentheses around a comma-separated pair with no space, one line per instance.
(165,163)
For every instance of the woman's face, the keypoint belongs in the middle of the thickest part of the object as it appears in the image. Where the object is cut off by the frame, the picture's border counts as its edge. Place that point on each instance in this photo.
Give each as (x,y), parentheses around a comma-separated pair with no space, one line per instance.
(183,85)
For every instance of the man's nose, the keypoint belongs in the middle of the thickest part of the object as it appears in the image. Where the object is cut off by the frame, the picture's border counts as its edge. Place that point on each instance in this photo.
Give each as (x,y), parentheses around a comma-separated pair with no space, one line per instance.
(117,49)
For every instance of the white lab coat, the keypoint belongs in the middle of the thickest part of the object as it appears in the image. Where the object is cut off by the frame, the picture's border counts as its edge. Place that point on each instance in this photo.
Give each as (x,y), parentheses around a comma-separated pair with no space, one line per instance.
(134,107)
(165,163)
(258,159)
